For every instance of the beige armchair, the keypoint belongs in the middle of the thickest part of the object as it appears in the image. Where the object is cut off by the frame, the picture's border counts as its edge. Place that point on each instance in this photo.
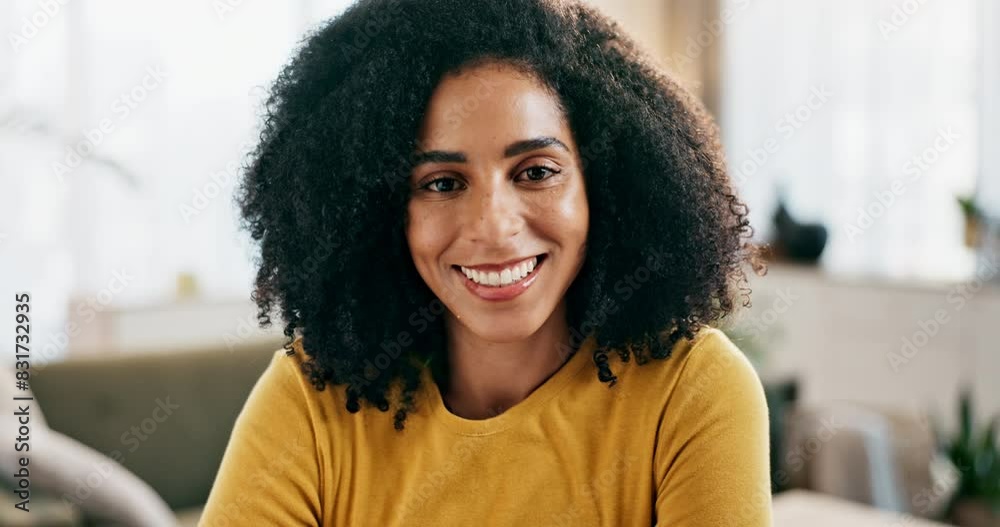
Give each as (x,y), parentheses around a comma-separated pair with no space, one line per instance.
(870,455)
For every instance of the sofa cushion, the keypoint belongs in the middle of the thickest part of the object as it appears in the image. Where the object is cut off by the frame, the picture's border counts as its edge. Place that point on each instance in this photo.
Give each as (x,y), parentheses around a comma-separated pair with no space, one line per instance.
(164,416)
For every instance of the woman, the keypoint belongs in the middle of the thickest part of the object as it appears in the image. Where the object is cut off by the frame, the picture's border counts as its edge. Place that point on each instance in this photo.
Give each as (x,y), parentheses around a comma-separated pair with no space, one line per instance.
(496,236)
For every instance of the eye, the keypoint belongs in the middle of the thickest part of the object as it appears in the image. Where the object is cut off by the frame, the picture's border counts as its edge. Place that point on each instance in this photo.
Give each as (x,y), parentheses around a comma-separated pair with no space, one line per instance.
(538,173)
(442,184)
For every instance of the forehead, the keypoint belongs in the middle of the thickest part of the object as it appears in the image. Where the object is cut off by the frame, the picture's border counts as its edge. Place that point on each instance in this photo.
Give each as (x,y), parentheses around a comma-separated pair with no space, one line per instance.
(489,105)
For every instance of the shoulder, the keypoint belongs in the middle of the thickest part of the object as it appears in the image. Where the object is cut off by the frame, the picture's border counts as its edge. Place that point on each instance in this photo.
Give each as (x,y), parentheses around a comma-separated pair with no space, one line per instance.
(280,384)
(712,365)
(285,368)
(273,467)
(711,390)
(712,448)
(701,365)
(285,380)
(705,379)
(710,345)
(284,403)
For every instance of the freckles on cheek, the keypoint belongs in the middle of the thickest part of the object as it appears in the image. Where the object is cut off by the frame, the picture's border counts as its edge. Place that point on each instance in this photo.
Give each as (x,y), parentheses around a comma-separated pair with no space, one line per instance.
(424,230)
(570,209)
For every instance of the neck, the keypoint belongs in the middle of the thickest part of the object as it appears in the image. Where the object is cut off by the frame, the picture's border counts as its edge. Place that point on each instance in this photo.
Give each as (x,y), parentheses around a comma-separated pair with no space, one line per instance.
(486,378)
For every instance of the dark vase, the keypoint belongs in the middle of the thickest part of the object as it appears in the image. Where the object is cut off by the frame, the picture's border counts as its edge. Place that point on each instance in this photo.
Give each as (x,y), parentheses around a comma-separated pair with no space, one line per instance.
(800,242)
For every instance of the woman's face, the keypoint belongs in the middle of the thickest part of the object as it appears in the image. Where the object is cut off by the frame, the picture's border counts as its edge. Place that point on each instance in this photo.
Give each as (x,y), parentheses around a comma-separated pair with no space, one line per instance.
(498,219)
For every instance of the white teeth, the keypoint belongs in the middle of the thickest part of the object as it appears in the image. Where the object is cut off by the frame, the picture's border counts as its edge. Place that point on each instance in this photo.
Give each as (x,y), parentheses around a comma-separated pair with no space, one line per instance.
(519,272)
(505,277)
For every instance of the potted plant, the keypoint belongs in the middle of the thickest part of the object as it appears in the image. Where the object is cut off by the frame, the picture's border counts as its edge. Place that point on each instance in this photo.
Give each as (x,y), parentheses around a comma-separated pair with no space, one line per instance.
(973,451)
(973,221)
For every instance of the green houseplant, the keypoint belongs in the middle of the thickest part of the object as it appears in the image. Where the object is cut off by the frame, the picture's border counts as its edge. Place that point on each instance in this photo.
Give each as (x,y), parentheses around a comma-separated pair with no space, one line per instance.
(973,450)
(972,220)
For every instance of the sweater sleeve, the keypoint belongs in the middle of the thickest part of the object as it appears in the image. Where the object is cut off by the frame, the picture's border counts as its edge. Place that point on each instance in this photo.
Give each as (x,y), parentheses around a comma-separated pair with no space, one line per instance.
(712,456)
(269,473)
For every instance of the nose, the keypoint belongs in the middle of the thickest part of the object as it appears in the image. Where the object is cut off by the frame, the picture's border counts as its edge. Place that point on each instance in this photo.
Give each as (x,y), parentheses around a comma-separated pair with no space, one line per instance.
(495,212)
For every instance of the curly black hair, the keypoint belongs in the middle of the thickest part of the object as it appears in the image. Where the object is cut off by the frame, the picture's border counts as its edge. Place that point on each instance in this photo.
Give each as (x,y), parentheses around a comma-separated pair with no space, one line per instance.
(325,192)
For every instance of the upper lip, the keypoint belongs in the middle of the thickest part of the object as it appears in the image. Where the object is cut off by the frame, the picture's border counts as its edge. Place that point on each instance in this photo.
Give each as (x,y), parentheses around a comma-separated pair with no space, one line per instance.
(499,266)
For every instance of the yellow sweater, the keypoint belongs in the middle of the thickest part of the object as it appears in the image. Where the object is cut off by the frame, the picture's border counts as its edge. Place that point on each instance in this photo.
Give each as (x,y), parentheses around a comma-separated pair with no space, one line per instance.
(680,442)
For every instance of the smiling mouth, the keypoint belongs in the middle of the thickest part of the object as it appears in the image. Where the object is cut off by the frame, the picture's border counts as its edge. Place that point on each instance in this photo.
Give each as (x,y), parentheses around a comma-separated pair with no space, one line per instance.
(503,275)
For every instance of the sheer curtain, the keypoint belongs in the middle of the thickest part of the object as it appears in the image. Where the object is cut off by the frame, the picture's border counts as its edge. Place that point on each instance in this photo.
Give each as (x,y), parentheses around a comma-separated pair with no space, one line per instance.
(121,127)
(864,114)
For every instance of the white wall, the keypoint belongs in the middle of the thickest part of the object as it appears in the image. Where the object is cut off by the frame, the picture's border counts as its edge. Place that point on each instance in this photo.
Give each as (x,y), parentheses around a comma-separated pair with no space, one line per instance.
(843,339)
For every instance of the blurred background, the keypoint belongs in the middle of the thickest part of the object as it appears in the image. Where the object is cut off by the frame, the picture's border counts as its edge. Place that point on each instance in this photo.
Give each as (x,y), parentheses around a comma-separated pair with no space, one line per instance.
(862,134)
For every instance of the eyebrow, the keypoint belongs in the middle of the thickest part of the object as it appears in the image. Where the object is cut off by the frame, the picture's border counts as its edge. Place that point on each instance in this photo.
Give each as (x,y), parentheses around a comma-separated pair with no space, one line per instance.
(513,149)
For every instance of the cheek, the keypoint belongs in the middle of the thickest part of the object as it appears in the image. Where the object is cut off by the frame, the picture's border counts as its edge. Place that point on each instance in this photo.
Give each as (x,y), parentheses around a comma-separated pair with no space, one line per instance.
(567,217)
(426,233)
(416,232)
(580,211)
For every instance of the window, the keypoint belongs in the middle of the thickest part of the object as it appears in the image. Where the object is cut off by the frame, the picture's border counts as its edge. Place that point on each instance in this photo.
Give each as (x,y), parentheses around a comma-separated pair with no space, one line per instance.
(122,125)
(864,114)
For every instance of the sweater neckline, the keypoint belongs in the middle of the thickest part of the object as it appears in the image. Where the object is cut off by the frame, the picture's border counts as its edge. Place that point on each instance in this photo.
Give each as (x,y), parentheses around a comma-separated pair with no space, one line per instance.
(535,400)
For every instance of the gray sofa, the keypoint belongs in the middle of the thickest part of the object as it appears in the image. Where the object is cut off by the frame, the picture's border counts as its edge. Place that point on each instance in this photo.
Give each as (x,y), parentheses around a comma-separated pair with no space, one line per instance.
(164,416)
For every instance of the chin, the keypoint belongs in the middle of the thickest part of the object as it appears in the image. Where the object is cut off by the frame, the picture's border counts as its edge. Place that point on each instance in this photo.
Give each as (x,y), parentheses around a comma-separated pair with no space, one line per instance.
(503,328)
